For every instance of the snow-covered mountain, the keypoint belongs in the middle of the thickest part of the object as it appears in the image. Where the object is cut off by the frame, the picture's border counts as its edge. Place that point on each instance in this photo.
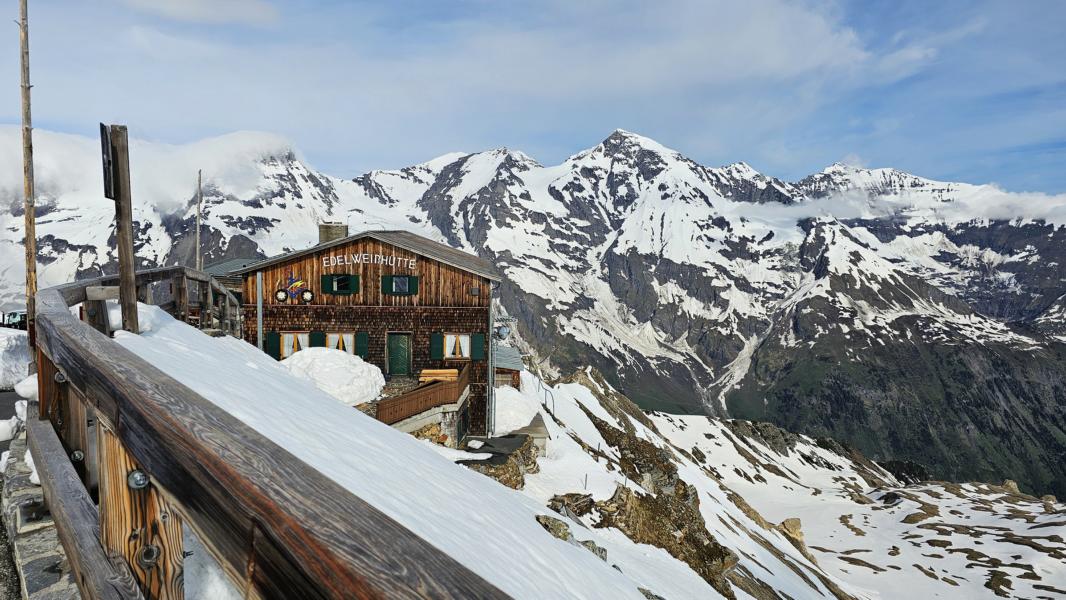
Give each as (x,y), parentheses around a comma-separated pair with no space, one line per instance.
(915,319)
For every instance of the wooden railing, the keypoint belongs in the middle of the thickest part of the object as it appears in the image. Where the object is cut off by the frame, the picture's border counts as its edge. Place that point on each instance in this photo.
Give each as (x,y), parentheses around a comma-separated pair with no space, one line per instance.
(422,398)
(213,299)
(165,458)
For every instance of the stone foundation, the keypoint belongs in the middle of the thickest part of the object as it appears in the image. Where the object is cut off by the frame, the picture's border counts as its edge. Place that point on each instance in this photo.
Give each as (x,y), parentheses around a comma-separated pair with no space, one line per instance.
(44,573)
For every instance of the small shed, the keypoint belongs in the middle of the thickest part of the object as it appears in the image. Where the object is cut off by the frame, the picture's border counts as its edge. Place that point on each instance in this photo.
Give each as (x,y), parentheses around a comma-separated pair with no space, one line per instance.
(509,367)
(223,272)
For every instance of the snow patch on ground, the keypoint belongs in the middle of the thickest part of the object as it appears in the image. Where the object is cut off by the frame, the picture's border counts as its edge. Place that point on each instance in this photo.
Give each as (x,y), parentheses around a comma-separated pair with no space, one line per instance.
(14,357)
(344,376)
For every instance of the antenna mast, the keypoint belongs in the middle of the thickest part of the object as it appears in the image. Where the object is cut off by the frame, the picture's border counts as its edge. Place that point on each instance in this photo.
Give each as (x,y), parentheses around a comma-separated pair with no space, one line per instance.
(199,263)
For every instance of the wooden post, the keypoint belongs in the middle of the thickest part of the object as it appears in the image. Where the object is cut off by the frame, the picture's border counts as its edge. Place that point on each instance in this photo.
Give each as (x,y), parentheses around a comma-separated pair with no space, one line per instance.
(224,317)
(75,430)
(137,523)
(124,228)
(28,199)
(48,399)
(259,309)
(206,321)
(96,316)
(181,297)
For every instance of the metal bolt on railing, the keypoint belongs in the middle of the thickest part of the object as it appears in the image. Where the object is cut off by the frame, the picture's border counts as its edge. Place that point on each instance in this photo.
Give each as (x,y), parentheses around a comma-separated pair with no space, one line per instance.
(77,456)
(137,479)
(60,378)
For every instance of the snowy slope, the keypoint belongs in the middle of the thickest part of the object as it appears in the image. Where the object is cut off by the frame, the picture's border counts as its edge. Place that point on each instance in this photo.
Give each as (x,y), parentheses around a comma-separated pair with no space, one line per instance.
(676,506)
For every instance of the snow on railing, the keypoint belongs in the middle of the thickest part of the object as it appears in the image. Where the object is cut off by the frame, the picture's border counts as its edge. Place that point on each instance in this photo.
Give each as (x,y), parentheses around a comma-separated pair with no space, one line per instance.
(166,458)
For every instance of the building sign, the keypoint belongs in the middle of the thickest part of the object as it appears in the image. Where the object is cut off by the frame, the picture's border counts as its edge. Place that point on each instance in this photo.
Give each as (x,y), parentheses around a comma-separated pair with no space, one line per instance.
(368,259)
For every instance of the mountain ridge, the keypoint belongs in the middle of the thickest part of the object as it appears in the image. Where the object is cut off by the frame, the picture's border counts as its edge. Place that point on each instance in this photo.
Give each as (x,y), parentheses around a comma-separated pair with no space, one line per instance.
(666,275)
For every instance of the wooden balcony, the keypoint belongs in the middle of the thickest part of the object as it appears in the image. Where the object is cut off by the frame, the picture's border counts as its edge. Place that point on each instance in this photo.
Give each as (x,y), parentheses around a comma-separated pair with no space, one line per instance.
(424,397)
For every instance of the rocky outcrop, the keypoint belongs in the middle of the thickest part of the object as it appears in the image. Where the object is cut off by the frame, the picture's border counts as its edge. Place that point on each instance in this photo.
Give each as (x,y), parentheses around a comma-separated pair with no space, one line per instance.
(509,468)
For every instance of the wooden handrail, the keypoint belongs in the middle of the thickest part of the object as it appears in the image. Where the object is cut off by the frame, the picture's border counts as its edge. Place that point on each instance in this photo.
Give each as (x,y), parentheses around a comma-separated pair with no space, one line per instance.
(422,398)
(278,527)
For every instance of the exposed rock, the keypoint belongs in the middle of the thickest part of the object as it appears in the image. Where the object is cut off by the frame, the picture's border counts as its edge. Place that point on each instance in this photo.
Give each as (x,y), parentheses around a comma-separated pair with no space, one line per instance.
(509,469)
(1011,486)
(560,530)
(556,527)
(792,528)
(577,504)
(672,521)
(592,547)
(432,433)
(649,594)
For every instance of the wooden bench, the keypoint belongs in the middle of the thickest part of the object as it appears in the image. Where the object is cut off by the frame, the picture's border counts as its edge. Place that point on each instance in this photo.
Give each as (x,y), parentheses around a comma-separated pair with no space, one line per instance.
(427,375)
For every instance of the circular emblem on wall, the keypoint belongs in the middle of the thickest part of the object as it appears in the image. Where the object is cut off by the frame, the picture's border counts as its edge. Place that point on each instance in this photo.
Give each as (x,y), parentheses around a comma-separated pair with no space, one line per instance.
(307,296)
(281,295)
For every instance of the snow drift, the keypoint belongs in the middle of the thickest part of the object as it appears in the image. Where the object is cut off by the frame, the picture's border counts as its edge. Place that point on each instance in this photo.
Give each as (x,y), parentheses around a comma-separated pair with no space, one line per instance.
(344,376)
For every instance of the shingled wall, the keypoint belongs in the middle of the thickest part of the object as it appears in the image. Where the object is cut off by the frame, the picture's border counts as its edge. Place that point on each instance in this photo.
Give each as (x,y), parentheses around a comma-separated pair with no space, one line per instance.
(377,321)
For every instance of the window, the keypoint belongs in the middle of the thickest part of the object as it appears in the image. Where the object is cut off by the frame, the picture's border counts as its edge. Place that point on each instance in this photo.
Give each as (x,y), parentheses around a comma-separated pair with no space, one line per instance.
(456,345)
(475,290)
(399,285)
(341,341)
(294,341)
(340,285)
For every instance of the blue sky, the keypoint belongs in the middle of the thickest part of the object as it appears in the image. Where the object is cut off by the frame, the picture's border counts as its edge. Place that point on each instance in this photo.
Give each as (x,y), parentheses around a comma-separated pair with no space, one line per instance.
(968,91)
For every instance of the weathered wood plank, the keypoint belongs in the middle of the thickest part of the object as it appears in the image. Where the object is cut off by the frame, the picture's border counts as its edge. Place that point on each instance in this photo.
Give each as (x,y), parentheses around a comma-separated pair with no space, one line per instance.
(138,524)
(101,292)
(226,480)
(48,393)
(97,577)
(96,316)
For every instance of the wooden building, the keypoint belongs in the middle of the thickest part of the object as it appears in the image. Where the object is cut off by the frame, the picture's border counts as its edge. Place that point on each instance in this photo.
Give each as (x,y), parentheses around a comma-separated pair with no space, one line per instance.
(410,305)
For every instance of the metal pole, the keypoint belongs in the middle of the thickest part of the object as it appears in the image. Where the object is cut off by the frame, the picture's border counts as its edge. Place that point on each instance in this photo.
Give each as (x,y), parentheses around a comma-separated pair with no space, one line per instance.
(259,308)
(29,201)
(199,262)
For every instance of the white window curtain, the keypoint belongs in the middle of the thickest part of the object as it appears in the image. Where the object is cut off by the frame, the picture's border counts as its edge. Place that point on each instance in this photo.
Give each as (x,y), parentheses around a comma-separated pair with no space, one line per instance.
(341,341)
(291,343)
(456,346)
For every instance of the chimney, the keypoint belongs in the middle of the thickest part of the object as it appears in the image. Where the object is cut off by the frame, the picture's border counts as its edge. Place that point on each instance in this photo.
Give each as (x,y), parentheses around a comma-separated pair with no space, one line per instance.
(327,231)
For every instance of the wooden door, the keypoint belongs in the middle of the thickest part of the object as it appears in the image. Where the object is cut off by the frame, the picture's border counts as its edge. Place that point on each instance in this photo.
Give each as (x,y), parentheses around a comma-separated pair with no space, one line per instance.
(399,351)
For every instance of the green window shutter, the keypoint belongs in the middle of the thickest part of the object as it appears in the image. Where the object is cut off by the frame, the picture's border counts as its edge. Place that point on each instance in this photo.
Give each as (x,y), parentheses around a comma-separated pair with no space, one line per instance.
(477,346)
(355,284)
(412,285)
(317,339)
(436,346)
(327,284)
(386,285)
(272,344)
(362,343)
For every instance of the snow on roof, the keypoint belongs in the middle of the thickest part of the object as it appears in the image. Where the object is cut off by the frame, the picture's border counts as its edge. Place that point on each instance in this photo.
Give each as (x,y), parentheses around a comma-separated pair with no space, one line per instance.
(487,527)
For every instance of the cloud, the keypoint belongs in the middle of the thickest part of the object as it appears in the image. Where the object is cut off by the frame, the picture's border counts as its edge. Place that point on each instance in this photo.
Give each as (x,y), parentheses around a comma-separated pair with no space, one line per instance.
(248,12)
(786,86)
